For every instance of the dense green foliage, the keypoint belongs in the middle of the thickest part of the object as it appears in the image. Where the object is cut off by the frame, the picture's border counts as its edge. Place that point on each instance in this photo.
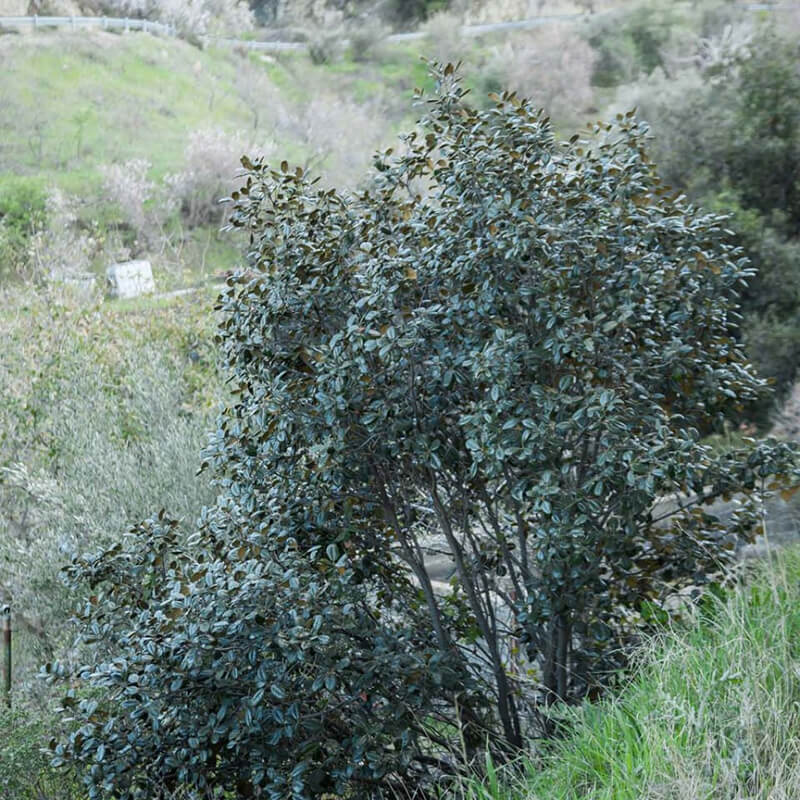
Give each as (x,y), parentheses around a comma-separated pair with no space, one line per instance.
(630,41)
(400,12)
(25,770)
(729,135)
(22,213)
(640,38)
(414,11)
(105,405)
(504,351)
(102,415)
(244,663)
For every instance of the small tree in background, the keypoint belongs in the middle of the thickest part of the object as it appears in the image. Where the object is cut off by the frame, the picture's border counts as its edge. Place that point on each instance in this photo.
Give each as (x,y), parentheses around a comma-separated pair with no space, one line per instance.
(211,161)
(502,354)
(128,187)
(553,66)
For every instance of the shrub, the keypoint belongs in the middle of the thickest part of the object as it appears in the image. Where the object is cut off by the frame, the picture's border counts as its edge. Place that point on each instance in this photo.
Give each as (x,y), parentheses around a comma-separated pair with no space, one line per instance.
(25,771)
(489,11)
(553,67)
(265,11)
(128,187)
(501,353)
(366,37)
(101,418)
(746,138)
(325,46)
(443,33)
(189,17)
(211,159)
(201,17)
(631,41)
(406,12)
(336,134)
(62,250)
(23,212)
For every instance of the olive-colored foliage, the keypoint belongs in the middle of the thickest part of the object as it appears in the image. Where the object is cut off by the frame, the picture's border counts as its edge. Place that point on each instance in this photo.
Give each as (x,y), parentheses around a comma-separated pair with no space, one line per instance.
(103,412)
(410,11)
(503,351)
(747,138)
(25,771)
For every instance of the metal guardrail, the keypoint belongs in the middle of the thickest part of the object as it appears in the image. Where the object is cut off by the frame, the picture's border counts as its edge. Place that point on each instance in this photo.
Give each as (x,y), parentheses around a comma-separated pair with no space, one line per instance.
(102,23)
(251,44)
(160,29)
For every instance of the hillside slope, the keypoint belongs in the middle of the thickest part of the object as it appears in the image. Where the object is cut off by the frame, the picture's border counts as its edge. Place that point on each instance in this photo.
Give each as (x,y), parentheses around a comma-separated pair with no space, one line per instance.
(116,146)
(69,102)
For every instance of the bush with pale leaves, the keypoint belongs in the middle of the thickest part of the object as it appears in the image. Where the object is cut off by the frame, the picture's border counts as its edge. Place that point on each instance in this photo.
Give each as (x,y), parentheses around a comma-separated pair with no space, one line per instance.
(128,187)
(61,250)
(211,165)
(552,66)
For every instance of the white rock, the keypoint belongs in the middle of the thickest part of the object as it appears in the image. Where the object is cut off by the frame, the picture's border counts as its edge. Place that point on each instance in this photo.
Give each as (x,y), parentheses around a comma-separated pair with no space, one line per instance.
(130,279)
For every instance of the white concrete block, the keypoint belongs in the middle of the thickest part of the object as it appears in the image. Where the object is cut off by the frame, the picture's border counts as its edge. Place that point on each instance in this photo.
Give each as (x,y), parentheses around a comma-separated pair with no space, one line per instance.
(130,279)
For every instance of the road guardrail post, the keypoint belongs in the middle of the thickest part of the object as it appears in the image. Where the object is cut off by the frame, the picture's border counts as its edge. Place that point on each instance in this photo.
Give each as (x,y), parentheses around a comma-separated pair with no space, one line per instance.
(6,626)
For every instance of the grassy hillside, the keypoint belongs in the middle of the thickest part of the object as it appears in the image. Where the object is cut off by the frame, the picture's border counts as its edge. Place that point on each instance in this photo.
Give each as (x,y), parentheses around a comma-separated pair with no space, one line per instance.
(90,99)
(115,146)
(70,102)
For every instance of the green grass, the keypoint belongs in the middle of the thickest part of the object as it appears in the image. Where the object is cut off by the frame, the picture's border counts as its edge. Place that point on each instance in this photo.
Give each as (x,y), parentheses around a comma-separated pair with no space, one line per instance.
(70,102)
(74,101)
(713,712)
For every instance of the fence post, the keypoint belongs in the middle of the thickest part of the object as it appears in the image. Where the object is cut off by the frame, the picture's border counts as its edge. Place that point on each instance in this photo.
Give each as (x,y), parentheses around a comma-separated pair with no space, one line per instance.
(6,624)
(35,21)
(127,24)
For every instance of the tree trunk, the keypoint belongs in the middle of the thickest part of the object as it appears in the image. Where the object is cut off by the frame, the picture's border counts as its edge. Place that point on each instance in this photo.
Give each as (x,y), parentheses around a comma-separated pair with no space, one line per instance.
(556,666)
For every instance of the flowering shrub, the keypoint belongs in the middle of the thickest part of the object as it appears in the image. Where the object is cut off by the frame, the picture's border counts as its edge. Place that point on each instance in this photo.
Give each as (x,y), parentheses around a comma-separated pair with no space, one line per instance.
(211,165)
(128,187)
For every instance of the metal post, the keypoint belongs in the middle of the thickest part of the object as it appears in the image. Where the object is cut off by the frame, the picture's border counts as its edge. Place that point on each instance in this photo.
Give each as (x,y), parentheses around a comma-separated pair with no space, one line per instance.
(7,654)
(35,21)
